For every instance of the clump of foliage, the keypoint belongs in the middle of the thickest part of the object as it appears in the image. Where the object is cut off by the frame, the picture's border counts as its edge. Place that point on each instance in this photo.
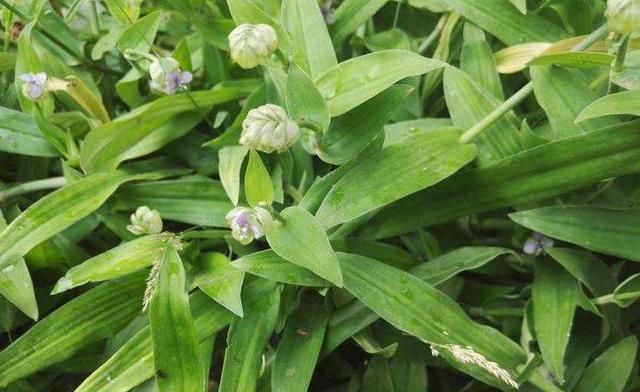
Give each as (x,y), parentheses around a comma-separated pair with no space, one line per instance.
(293,195)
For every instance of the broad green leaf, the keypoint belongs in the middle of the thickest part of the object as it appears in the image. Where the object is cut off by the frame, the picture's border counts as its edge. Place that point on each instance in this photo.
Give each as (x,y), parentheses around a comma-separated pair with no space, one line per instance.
(469,103)
(387,253)
(133,363)
(521,5)
(19,134)
(132,135)
(140,35)
(304,101)
(87,319)
(575,59)
(269,265)
(628,291)
(231,159)
(351,132)
(195,200)
(258,187)
(16,285)
(354,317)
(477,61)
(503,20)
(350,15)
(308,30)
(396,132)
(563,95)
(219,279)
(411,305)
(354,81)
(586,268)
(119,261)
(176,350)
(606,231)
(625,102)
(300,239)
(125,12)
(555,300)
(397,171)
(246,342)
(377,377)
(300,345)
(536,174)
(611,370)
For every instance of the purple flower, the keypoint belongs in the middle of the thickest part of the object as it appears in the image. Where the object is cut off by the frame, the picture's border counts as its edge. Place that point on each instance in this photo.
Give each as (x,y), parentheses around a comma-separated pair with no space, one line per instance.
(34,85)
(248,224)
(536,244)
(167,77)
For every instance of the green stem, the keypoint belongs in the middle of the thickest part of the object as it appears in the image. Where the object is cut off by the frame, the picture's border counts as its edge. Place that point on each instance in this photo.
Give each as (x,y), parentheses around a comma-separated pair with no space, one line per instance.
(94,21)
(33,186)
(524,92)
(431,38)
(5,45)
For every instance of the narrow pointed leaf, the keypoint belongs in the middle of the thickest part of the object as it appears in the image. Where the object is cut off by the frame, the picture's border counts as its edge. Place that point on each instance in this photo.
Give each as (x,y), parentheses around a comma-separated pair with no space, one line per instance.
(257,181)
(220,280)
(611,370)
(231,159)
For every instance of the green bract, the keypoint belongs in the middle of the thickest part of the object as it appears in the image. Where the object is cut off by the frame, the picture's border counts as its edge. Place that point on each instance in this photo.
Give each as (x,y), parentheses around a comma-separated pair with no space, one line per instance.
(319,195)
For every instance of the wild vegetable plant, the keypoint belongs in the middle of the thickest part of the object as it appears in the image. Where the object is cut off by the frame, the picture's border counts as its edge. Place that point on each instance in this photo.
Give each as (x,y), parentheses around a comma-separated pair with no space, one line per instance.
(323,195)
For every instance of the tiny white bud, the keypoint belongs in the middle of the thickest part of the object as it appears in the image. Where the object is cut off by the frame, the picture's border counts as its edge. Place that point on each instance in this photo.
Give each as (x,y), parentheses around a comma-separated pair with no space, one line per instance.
(252,45)
(248,224)
(269,129)
(145,221)
(34,85)
(167,76)
(623,16)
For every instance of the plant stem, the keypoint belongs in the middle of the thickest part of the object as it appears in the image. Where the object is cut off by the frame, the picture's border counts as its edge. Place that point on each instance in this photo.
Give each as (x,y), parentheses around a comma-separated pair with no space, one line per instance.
(94,21)
(33,186)
(434,34)
(524,92)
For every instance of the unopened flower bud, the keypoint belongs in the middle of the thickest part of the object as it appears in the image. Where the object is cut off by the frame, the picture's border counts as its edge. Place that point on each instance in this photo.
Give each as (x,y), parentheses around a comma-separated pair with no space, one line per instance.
(145,221)
(252,45)
(623,16)
(248,224)
(536,244)
(34,85)
(269,129)
(167,76)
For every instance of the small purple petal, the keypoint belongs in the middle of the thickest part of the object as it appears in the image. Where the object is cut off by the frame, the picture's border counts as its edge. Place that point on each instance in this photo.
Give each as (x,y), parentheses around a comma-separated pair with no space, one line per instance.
(531,247)
(185,78)
(40,78)
(35,91)
(27,77)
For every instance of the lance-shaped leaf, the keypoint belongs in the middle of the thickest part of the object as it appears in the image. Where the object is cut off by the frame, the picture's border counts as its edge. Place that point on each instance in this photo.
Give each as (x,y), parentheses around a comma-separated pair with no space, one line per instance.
(231,159)
(536,174)
(19,134)
(354,81)
(300,345)
(304,101)
(625,102)
(417,308)
(119,261)
(176,352)
(607,231)
(269,265)
(351,14)
(257,181)
(222,282)
(84,320)
(611,370)
(141,34)
(300,239)
(397,171)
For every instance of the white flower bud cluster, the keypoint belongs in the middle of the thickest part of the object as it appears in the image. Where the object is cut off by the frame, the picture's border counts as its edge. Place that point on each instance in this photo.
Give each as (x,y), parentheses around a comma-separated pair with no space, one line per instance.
(623,16)
(252,45)
(145,221)
(269,129)
(167,77)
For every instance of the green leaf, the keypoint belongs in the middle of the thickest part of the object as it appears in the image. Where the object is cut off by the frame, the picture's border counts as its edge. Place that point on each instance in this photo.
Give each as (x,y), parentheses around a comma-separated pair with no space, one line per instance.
(350,15)
(563,95)
(536,174)
(397,171)
(555,300)
(469,103)
(308,30)
(247,11)
(246,342)
(627,292)
(176,351)
(377,377)
(219,279)
(351,132)
(257,181)
(607,231)
(410,304)
(300,345)
(304,101)
(300,239)
(124,11)
(269,265)
(27,61)
(477,61)
(19,134)
(87,319)
(140,35)
(152,126)
(16,284)
(625,102)
(503,20)
(521,5)
(354,81)
(231,159)
(575,59)
(586,268)
(195,200)
(611,370)
(119,261)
